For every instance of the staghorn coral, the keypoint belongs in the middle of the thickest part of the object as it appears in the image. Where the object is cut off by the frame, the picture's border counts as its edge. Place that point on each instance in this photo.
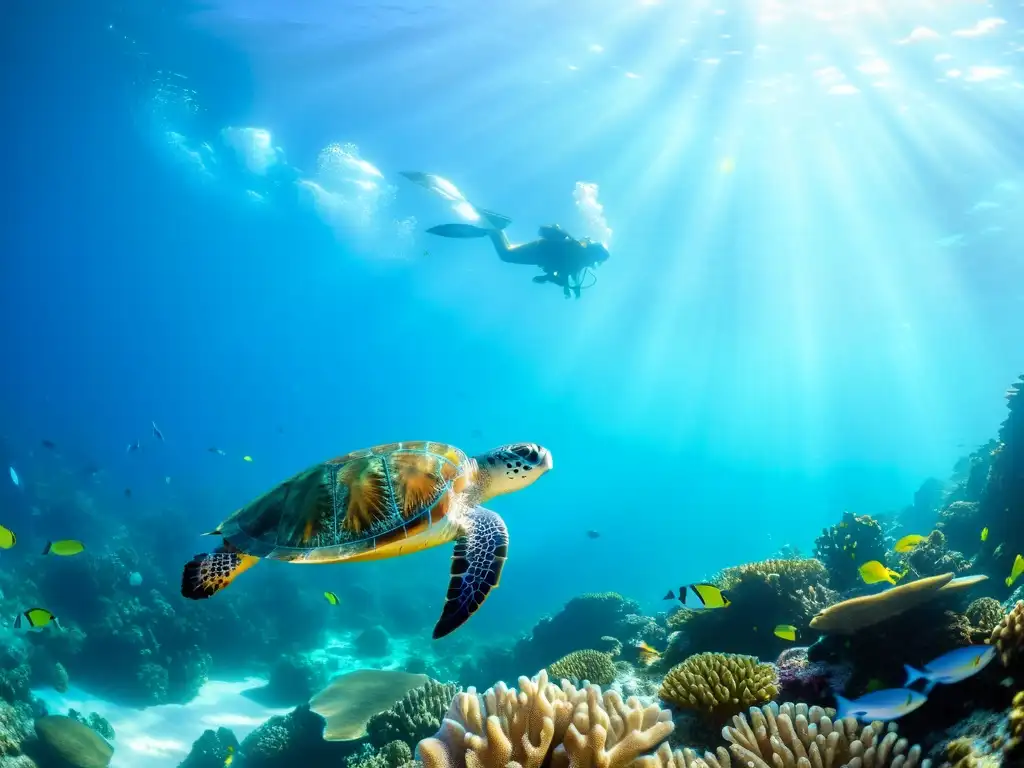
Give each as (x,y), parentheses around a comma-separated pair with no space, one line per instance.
(798,736)
(544,725)
(854,540)
(592,666)
(719,684)
(414,717)
(1008,635)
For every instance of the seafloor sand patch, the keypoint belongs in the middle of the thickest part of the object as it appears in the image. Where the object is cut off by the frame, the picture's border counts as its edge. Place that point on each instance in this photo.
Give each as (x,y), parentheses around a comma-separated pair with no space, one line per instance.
(161,737)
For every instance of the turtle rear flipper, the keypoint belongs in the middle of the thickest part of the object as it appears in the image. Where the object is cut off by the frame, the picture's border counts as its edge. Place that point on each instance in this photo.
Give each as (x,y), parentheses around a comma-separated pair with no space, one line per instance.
(477,561)
(206,574)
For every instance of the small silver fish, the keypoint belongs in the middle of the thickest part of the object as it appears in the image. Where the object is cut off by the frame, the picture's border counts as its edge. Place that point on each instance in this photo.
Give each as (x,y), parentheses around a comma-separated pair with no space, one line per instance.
(14,477)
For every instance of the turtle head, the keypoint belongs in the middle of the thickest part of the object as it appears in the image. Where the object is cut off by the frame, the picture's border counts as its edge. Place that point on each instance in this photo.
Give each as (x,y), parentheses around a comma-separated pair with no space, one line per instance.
(511,467)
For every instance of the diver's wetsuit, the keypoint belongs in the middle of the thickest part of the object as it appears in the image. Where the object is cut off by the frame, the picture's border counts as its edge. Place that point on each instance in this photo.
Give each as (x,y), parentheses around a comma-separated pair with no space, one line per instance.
(563,259)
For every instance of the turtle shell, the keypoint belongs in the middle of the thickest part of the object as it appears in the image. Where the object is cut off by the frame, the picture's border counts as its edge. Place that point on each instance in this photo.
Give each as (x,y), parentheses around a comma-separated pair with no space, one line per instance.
(352,505)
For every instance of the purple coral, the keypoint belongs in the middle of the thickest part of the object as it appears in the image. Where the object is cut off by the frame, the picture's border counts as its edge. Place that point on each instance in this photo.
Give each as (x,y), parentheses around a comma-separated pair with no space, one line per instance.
(812,681)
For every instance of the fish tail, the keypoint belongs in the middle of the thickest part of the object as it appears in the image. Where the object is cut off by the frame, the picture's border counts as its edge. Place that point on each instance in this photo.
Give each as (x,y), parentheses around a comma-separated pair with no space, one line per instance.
(913,675)
(928,688)
(843,707)
(206,574)
(46,549)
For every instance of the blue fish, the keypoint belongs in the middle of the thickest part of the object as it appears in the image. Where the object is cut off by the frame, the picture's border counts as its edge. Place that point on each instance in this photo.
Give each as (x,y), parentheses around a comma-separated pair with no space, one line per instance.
(890,704)
(952,667)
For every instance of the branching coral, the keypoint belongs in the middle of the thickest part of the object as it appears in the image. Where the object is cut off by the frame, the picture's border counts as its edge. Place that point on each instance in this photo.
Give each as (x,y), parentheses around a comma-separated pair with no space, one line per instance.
(544,725)
(1008,635)
(843,548)
(415,716)
(592,666)
(798,736)
(719,684)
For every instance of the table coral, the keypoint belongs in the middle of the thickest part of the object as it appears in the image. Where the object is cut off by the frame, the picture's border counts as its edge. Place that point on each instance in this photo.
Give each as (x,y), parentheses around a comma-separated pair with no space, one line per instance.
(719,683)
(542,724)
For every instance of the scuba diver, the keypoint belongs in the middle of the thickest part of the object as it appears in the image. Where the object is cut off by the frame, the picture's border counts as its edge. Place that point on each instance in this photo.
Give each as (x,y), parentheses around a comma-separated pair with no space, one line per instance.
(565,260)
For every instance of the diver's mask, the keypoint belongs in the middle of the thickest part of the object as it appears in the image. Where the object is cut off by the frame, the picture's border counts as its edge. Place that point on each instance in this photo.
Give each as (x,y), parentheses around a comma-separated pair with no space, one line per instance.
(597,250)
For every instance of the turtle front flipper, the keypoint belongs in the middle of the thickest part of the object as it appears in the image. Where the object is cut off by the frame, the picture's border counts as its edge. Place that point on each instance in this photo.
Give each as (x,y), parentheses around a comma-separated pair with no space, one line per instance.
(207,574)
(477,561)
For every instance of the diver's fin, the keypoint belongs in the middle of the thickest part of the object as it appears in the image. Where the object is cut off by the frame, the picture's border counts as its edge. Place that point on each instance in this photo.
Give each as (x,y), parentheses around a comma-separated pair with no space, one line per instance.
(459,231)
(477,561)
(496,220)
(207,574)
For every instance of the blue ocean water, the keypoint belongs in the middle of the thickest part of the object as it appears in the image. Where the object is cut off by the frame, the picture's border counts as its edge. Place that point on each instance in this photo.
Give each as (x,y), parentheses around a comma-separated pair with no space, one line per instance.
(812,302)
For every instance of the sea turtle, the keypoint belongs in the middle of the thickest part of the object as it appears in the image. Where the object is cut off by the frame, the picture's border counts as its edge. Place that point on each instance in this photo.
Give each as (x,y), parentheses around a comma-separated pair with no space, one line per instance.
(376,503)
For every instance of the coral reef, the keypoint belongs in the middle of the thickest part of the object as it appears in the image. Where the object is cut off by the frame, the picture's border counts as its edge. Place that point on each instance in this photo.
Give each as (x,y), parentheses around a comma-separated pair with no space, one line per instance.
(961,524)
(798,736)
(294,679)
(801,679)
(1002,501)
(348,703)
(97,722)
(763,595)
(284,741)
(592,666)
(592,620)
(211,749)
(984,615)
(843,548)
(1008,635)
(391,755)
(719,684)
(933,557)
(544,725)
(16,730)
(414,717)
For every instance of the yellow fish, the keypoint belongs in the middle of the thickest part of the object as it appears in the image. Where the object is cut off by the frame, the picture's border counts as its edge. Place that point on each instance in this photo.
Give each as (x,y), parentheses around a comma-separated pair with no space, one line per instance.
(786,632)
(247,458)
(1016,571)
(230,758)
(709,595)
(7,538)
(64,547)
(909,543)
(984,534)
(331,598)
(647,654)
(873,572)
(35,618)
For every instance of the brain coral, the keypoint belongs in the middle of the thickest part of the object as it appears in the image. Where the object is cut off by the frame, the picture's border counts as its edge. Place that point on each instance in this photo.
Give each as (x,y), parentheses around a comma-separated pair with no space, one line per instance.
(592,666)
(719,683)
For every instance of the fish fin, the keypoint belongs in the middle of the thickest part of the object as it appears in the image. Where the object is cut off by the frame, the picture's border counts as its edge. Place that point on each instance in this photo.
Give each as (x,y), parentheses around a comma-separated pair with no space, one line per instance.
(928,688)
(459,231)
(56,623)
(214,532)
(477,561)
(843,707)
(46,549)
(496,220)
(208,573)
(913,675)
(17,621)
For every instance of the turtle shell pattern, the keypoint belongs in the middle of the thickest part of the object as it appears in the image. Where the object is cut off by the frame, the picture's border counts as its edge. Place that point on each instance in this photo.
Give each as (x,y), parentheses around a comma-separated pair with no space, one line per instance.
(353,504)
